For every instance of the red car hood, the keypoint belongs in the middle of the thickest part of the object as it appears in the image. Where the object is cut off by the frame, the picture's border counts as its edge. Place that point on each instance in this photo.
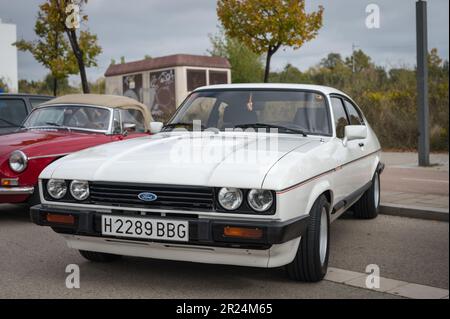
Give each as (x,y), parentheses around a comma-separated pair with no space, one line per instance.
(41,143)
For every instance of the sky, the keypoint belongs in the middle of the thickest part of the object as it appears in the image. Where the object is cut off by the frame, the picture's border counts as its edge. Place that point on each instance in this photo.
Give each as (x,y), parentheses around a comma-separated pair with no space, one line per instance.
(135,28)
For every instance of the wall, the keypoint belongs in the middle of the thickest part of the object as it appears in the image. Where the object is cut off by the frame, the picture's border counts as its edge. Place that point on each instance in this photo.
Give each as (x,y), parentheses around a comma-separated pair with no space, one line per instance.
(114,84)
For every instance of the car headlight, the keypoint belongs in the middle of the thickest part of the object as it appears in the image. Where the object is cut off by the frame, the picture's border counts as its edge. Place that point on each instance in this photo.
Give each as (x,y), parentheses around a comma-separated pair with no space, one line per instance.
(260,200)
(79,190)
(230,198)
(18,161)
(57,188)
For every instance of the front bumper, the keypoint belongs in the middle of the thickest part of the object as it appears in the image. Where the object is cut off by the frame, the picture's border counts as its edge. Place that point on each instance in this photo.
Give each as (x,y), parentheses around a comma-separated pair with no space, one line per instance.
(16,190)
(15,195)
(202,231)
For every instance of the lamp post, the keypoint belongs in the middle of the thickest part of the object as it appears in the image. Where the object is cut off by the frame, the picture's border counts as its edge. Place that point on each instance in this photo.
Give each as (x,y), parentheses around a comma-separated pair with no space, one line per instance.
(422,83)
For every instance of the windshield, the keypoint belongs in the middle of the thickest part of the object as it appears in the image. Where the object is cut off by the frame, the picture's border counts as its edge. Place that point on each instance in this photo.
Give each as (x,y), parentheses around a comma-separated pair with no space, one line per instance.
(286,110)
(70,117)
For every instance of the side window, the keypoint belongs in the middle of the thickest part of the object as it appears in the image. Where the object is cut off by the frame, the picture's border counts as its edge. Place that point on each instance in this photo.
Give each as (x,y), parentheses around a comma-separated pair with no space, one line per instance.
(353,114)
(36,101)
(135,117)
(340,117)
(117,127)
(12,112)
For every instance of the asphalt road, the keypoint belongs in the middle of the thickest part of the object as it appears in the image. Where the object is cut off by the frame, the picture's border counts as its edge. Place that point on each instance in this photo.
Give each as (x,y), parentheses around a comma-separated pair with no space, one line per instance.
(33,261)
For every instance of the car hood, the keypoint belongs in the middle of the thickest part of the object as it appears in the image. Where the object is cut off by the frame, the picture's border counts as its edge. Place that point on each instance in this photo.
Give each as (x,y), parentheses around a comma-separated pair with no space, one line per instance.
(216,159)
(44,142)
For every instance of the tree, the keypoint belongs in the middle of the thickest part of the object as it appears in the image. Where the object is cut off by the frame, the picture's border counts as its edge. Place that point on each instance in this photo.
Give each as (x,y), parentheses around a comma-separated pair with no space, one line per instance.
(332,61)
(267,25)
(3,86)
(246,66)
(360,60)
(65,15)
(51,49)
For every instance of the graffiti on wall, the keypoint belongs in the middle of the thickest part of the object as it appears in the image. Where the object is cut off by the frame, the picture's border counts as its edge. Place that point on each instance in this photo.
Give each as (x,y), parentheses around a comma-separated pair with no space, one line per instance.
(162,94)
(132,87)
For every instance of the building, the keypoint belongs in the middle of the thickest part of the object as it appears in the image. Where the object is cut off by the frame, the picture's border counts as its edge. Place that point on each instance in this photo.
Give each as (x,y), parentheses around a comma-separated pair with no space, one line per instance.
(163,83)
(8,56)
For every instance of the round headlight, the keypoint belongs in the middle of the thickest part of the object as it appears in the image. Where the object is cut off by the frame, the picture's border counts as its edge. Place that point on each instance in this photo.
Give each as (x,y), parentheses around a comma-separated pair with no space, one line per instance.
(230,198)
(79,190)
(260,200)
(57,188)
(18,161)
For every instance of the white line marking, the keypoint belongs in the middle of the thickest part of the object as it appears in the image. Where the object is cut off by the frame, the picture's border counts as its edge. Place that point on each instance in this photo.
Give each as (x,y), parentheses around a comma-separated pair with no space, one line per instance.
(389,286)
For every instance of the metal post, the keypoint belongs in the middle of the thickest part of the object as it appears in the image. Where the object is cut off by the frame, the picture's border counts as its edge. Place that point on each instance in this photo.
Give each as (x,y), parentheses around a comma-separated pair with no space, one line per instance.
(422,83)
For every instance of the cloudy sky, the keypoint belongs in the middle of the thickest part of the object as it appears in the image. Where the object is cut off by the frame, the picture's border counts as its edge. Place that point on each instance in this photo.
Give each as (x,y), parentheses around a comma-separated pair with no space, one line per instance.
(135,28)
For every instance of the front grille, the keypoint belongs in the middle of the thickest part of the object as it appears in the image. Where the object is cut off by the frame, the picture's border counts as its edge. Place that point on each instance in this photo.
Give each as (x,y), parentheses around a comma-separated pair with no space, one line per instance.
(168,196)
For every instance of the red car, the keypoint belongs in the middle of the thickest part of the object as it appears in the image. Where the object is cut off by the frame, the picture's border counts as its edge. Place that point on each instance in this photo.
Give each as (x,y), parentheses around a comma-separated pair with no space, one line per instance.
(59,127)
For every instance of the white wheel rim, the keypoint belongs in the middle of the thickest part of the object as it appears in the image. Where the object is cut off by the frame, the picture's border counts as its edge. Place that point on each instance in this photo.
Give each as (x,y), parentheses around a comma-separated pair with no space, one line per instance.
(377,191)
(323,236)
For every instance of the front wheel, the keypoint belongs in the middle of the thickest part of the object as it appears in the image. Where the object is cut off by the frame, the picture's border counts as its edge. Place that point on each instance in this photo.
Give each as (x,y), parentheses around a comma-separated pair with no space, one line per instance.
(99,257)
(311,261)
(367,206)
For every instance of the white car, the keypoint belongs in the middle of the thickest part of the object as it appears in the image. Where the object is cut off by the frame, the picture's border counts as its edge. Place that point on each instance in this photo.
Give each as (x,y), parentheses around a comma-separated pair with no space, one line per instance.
(248,175)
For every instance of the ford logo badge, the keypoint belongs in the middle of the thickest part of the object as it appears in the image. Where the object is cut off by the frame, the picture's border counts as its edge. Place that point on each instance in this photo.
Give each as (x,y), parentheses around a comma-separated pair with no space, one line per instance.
(147,197)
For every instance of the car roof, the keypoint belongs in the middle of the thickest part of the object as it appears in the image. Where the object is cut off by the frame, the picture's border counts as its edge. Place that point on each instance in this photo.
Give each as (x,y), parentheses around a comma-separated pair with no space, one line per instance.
(274,86)
(112,101)
(26,95)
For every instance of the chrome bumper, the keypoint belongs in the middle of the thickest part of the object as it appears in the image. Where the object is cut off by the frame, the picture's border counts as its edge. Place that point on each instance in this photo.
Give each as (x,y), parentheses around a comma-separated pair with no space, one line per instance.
(16,190)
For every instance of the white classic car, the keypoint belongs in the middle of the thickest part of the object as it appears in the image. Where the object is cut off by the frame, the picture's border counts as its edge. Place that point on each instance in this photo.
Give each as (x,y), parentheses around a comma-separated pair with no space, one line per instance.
(248,175)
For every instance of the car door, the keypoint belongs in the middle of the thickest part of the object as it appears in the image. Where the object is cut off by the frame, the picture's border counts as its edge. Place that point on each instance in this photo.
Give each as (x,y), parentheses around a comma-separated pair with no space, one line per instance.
(363,164)
(347,156)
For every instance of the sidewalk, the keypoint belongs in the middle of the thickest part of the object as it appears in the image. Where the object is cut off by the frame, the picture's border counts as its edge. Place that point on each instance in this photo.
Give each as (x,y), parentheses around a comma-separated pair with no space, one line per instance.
(410,190)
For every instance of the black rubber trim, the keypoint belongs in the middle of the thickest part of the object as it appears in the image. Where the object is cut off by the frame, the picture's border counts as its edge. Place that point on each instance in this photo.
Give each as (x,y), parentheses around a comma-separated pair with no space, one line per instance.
(350,200)
(201,231)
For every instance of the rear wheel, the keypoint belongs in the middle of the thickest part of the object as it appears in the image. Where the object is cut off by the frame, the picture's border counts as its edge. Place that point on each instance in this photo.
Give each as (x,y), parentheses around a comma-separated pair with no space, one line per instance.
(367,206)
(311,261)
(99,257)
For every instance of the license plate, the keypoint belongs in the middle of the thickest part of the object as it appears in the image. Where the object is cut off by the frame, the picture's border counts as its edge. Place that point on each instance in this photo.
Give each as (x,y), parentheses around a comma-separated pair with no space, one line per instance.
(145,228)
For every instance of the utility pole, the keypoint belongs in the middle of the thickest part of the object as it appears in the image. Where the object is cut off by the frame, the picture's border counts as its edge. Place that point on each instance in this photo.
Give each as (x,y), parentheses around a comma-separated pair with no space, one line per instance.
(422,83)
(353,58)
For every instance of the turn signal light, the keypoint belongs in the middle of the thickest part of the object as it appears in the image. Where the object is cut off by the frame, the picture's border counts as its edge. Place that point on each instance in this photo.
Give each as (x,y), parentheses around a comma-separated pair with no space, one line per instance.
(240,232)
(61,219)
(10,182)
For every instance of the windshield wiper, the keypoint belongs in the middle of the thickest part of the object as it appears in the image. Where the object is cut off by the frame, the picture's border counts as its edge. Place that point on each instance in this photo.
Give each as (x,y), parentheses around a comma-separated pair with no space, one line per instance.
(264,125)
(57,125)
(174,125)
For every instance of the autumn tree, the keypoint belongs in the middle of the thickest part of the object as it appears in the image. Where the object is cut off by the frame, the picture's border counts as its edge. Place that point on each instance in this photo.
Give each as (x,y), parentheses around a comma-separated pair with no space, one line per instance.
(61,22)
(51,49)
(267,25)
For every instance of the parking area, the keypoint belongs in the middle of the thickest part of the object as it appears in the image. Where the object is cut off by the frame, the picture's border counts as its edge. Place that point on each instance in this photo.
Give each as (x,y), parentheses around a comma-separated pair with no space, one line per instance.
(33,262)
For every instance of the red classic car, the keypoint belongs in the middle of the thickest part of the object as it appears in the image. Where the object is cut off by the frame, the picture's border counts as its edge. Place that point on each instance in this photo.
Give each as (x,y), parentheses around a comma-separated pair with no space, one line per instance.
(59,127)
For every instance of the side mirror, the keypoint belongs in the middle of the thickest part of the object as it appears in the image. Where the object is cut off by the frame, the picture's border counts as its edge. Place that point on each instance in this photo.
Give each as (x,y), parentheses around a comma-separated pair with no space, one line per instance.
(156,127)
(355,132)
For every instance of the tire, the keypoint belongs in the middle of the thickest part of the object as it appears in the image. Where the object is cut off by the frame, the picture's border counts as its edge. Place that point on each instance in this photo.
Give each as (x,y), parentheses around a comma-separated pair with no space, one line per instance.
(99,257)
(311,261)
(367,206)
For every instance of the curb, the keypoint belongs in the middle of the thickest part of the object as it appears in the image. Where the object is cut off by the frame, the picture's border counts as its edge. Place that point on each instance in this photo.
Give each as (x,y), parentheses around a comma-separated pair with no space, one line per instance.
(427,213)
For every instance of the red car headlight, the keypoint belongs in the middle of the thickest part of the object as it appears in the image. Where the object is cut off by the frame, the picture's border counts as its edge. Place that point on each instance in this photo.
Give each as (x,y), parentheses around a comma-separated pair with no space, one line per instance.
(18,161)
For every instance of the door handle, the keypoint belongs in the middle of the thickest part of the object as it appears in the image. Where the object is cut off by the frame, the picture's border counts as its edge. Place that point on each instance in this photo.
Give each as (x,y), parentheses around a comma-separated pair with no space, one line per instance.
(361,144)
